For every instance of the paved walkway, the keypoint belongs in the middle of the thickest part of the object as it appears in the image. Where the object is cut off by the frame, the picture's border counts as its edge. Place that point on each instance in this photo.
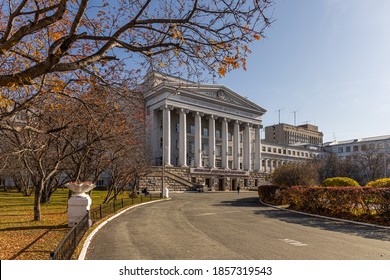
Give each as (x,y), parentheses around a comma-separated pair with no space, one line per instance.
(224,225)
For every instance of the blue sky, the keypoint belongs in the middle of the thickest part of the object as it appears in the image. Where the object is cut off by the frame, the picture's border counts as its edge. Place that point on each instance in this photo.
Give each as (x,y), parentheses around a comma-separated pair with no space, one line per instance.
(328,60)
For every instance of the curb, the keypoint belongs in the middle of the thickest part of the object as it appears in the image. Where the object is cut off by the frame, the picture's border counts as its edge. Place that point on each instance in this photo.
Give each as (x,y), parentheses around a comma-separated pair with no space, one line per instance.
(325,217)
(91,235)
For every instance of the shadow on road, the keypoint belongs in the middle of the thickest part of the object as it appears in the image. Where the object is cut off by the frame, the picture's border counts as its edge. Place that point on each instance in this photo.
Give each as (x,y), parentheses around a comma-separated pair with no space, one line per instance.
(301,219)
(325,224)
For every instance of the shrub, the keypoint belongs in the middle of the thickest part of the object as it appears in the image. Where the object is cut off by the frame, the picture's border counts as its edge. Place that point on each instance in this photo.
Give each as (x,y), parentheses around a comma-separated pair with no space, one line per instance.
(380,183)
(295,174)
(272,194)
(340,182)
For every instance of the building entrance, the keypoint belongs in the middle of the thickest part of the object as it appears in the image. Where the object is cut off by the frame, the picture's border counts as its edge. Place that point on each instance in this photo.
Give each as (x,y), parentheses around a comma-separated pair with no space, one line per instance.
(234,184)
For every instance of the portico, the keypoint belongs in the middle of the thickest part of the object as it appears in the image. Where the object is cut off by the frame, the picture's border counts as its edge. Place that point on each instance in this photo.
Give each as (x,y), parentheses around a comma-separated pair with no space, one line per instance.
(208,129)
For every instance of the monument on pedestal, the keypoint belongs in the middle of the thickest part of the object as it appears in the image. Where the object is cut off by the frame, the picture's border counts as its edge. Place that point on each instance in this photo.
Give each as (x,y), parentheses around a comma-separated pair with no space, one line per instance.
(79,203)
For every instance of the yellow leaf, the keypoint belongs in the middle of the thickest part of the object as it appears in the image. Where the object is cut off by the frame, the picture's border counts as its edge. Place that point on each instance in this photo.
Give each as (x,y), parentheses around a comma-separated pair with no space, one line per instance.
(257,37)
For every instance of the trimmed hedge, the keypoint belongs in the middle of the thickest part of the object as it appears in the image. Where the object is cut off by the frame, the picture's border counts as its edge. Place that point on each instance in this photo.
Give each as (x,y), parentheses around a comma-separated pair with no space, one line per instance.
(340,182)
(380,183)
(364,204)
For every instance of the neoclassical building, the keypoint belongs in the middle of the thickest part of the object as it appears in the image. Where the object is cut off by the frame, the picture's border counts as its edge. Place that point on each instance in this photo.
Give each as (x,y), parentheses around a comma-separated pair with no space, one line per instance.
(203,134)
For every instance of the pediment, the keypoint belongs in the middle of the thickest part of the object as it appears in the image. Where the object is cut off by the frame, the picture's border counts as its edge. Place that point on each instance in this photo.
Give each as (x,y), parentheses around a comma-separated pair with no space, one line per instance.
(225,96)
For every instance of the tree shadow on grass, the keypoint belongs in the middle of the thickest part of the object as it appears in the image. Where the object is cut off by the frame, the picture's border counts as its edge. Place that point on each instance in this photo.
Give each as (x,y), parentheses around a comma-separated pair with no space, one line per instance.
(61,226)
(304,220)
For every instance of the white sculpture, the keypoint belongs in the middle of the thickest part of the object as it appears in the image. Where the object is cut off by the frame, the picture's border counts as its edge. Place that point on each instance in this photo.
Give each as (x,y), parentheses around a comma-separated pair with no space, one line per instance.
(79,203)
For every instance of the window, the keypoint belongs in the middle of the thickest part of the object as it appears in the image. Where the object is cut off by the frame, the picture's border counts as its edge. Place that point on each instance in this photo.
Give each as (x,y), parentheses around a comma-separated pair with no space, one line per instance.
(230,150)
(240,152)
(348,149)
(218,151)
(205,149)
(100,182)
(274,150)
(256,182)
(192,129)
(205,131)
(177,127)
(269,149)
(245,182)
(230,136)
(279,151)
(340,150)
(217,133)
(356,148)
(241,137)
(191,147)
(263,148)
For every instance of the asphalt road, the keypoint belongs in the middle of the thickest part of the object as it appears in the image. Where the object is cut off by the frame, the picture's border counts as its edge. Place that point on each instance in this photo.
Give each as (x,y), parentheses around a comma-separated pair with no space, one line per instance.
(224,225)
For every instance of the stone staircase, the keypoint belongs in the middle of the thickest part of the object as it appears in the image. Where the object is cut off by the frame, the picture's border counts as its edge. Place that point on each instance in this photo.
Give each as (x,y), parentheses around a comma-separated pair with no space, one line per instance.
(175,179)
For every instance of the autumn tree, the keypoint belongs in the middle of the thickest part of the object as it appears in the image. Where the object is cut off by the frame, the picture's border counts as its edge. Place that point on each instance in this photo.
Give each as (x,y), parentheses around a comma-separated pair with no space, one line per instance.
(51,46)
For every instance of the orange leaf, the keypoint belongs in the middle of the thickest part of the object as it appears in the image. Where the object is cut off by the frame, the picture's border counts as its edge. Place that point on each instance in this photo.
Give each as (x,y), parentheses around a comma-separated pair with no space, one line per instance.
(222,71)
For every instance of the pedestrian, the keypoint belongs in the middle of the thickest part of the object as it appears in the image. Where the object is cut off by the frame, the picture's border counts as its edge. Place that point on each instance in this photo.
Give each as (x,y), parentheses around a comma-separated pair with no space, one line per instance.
(238,189)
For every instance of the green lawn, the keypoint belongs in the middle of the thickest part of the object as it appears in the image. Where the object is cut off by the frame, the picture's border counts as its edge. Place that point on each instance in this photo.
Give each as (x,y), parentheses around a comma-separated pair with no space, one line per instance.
(23,238)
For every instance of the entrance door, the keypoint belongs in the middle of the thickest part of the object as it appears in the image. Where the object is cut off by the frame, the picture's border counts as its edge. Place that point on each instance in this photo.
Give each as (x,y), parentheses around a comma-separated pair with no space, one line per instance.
(221,184)
(234,184)
(208,181)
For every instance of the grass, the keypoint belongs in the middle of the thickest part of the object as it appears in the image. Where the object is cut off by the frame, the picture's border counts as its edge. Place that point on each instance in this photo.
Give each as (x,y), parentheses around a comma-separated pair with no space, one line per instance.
(22,238)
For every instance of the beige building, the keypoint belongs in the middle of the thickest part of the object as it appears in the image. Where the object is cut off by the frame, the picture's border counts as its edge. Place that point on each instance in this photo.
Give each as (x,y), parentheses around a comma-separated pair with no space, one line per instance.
(289,134)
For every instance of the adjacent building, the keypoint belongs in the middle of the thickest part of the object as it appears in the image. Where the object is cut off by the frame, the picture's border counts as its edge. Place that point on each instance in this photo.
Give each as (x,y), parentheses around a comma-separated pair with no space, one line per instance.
(291,134)
(371,151)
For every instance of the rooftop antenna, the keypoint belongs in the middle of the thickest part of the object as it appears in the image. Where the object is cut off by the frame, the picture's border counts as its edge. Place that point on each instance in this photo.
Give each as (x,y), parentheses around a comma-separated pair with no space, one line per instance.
(295,118)
(279,114)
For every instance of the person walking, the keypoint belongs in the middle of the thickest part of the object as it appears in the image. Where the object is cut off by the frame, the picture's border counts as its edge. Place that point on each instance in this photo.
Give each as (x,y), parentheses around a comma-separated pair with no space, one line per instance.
(238,189)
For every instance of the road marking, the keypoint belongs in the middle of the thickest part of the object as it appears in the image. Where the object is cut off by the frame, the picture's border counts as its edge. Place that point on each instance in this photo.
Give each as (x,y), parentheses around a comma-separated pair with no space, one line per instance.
(293,242)
(206,214)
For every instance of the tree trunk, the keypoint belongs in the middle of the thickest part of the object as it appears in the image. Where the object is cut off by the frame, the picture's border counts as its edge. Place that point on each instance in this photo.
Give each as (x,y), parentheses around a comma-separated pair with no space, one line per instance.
(37,202)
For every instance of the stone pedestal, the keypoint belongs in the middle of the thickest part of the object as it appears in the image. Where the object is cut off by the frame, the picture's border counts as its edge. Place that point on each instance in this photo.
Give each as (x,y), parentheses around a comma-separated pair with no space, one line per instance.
(165,192)
(78,206)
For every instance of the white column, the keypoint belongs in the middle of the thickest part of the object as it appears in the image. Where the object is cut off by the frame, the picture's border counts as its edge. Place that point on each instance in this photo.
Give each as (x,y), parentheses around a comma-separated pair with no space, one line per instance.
(257,149)
(224,163)
(212,141)
(236,146)
(183,138)
(198,140)
(247,147)
(166,136)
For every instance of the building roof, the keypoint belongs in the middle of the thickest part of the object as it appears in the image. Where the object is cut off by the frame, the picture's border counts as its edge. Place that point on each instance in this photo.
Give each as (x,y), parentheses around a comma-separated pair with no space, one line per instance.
(358,140)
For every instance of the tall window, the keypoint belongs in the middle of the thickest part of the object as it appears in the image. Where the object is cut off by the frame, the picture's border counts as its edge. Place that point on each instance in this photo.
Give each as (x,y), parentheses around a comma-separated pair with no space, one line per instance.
(205,131)
(217,133)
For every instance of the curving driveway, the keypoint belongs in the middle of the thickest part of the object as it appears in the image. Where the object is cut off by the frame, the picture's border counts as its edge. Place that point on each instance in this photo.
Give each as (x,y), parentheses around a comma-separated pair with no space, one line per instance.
(224,225)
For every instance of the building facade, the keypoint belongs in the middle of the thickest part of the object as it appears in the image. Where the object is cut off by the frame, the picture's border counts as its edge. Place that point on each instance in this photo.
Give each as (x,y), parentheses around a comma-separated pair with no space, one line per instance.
(205,134)
(290,134)
(372,152)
